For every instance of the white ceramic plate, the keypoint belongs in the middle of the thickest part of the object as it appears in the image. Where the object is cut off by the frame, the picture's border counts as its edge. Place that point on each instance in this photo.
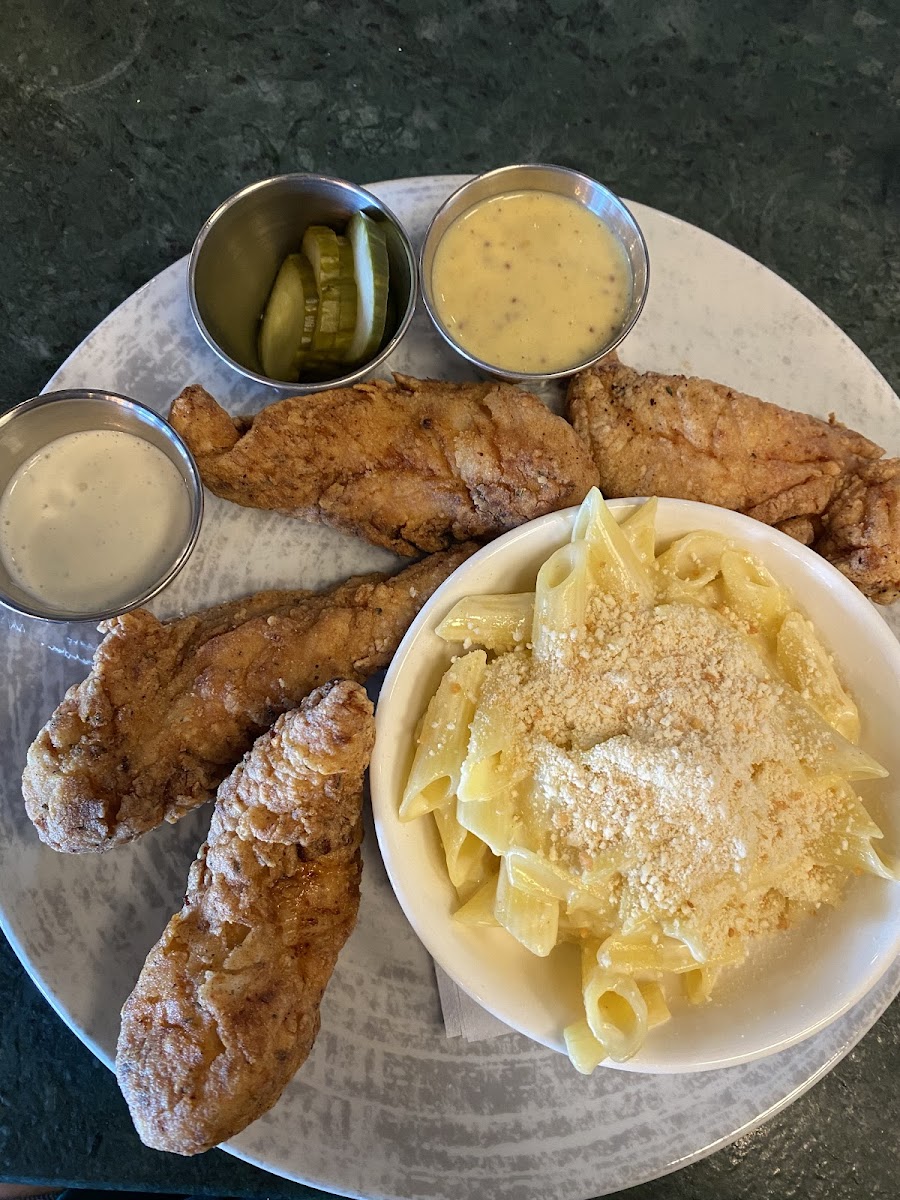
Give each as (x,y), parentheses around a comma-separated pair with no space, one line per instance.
(386,1106)
(792,985)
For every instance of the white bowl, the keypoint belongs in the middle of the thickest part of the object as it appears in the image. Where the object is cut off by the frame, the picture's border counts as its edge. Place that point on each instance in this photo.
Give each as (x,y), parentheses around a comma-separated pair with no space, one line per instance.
(793,983)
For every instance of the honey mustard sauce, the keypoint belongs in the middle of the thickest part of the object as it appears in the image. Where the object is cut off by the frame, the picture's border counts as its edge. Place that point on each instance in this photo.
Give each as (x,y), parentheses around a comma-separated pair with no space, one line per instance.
(531,281)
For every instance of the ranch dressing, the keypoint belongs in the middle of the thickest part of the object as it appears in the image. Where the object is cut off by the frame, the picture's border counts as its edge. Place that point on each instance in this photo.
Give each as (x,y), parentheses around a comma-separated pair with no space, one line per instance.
(531,281)
(91,519)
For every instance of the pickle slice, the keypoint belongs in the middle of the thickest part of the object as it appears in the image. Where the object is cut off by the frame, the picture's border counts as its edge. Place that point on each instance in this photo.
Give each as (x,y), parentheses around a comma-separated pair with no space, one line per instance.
(370,263)
(331,259)
(289,320)
(390,317)
(321,247)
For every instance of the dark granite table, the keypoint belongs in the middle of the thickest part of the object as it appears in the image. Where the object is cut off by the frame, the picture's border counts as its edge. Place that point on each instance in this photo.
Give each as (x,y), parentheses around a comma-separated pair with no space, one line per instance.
(770,123)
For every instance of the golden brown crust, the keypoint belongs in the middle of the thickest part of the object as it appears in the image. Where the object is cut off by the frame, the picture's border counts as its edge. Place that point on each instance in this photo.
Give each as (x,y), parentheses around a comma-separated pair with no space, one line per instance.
(414,465)
(168,709)
(227,1005)
(669,435)
(861,530)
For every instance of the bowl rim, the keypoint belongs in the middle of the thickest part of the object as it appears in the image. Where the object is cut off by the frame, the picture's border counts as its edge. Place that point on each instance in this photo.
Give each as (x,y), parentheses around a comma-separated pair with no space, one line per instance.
(384,800)
(189,473)
(279,385)
(532,377)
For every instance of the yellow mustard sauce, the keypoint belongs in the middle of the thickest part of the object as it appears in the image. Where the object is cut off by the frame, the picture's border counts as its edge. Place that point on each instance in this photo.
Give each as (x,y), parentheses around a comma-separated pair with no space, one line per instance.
(530,281)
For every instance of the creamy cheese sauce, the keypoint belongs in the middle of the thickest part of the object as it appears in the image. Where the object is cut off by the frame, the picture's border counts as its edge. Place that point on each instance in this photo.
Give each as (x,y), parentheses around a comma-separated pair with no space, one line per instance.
(92,519)
(531,281)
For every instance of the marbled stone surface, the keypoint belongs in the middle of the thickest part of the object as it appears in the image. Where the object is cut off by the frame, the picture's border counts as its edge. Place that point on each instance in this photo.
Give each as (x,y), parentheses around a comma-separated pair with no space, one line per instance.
(773,125)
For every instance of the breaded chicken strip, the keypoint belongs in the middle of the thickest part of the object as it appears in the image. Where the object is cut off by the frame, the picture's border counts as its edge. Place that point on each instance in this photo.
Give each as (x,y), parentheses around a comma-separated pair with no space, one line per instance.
(860,530)
(670,435)
(414,465)
(227,1005)
(168,709)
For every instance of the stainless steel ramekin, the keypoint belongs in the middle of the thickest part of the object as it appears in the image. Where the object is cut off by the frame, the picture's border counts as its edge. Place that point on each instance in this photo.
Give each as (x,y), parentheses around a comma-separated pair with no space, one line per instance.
(564,182)
(241,246)
(35,423)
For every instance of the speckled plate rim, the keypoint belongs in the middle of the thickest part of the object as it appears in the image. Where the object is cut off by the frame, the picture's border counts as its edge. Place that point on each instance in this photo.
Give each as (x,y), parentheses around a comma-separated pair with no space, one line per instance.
(864,1015)
(889,989)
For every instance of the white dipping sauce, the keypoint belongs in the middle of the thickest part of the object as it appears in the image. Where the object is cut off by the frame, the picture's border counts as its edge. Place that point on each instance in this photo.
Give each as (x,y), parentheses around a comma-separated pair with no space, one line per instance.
(92,519)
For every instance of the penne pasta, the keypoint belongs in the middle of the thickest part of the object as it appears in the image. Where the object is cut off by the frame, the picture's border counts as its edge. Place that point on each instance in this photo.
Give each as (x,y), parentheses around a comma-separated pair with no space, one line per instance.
(853,818)
(856,854)
(616,1012)
(560,598)
(493,622)
(491,780)
(806,665)
(467,855)
(633,954)
(751,592)
(650,757)
(614,565)
(640,531)
(699,983)
(585,1051)
(655,999)
(823,751)
(693,560)
(532,920)
(534,873)
(479,908)
(443,738)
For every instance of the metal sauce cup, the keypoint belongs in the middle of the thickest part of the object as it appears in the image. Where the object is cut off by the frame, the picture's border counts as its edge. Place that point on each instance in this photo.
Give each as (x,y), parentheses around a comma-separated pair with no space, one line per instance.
(25,429)
(564,182)
(239,250)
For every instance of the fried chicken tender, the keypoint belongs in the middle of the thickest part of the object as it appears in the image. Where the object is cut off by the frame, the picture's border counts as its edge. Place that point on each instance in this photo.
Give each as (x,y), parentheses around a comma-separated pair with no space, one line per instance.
(860,530)
(226,1008)
(670,435)
(168,709)
(414,465)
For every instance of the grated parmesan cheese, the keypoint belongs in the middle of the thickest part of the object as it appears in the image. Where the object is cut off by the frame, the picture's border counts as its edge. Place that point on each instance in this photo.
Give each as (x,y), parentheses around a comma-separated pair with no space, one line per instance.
(658,736)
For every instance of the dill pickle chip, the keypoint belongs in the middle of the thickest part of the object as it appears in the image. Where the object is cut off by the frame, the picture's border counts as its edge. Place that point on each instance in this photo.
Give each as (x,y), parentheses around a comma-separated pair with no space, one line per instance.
(289,320)
(331,259)
(371,266)
(322,248)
